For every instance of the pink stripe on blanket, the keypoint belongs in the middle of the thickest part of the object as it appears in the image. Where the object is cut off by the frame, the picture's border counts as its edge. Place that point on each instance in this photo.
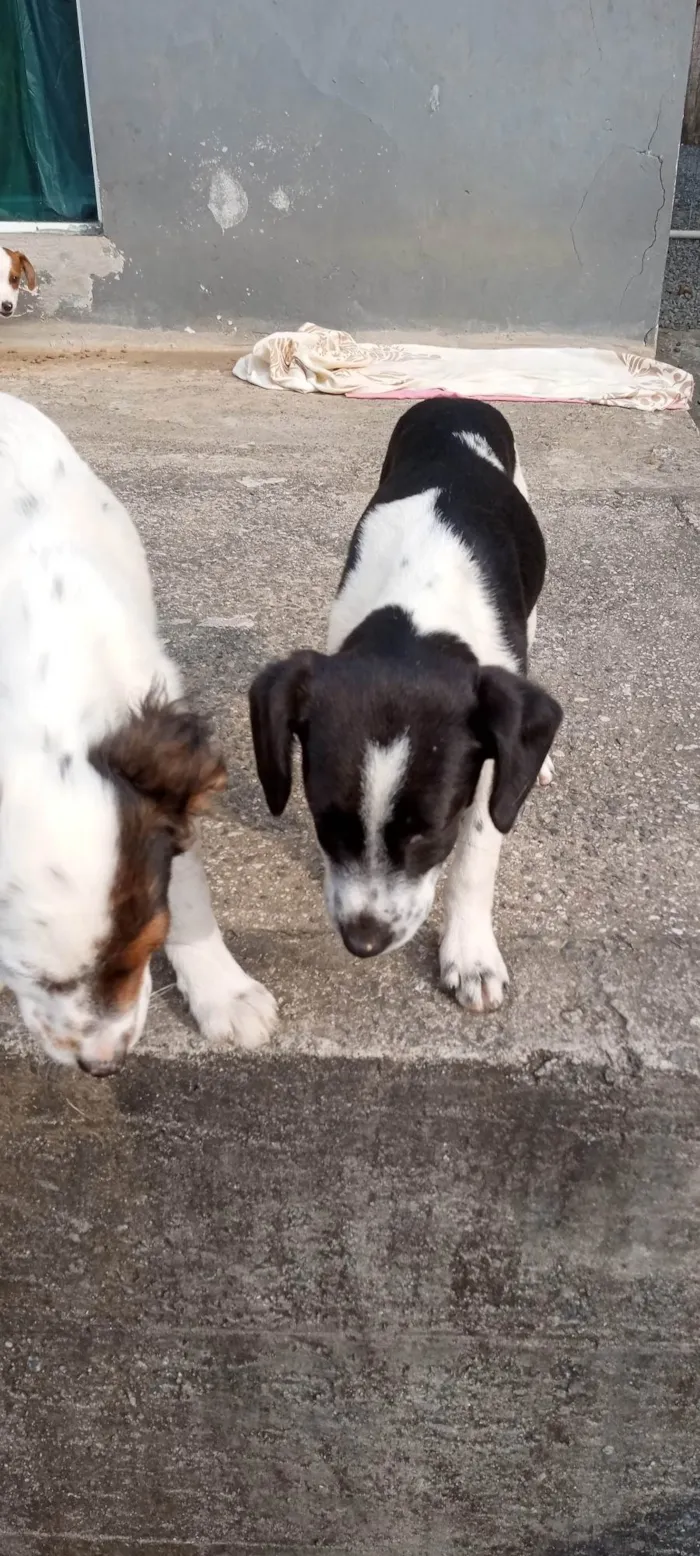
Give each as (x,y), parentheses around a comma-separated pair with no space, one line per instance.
(452,394)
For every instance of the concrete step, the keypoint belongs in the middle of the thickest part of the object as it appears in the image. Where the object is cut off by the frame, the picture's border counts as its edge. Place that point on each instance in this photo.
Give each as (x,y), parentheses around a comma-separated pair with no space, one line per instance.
(409,1282)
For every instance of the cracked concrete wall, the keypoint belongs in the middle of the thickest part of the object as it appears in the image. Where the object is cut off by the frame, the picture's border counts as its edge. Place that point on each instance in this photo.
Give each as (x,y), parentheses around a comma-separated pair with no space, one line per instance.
(452,166)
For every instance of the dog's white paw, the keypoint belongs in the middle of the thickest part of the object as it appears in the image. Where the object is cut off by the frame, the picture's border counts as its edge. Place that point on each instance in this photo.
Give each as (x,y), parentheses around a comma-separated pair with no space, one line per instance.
(473,970)
(245,1016)
(227,1005)
(546,773)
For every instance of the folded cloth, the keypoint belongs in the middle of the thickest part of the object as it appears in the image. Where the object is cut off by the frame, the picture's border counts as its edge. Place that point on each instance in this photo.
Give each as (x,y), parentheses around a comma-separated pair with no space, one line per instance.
(314,360)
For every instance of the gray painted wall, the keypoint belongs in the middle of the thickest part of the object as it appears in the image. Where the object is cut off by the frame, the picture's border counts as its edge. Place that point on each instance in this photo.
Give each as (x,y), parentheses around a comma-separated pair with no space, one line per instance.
(480,165)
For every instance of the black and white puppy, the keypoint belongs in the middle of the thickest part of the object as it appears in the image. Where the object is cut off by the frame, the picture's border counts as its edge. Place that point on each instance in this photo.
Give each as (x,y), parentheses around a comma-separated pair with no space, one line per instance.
(420,734)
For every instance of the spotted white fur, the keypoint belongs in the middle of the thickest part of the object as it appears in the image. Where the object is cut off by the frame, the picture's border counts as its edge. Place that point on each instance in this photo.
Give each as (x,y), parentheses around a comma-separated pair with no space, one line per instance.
(79,648)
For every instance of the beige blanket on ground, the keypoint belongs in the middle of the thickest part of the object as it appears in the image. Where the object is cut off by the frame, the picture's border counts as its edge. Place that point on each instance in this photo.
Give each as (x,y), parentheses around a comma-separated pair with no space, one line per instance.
(332,362)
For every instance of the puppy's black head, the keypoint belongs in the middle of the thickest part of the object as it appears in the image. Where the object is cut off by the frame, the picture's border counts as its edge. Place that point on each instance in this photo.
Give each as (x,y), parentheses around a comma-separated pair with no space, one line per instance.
(391,757)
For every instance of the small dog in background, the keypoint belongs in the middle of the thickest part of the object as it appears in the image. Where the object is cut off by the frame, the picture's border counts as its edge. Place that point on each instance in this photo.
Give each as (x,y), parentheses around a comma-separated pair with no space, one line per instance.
(420,734)
(103,771)
(13,266)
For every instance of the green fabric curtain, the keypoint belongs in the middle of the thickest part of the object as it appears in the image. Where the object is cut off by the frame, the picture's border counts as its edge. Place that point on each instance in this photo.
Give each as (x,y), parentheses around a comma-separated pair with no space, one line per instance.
(45,159)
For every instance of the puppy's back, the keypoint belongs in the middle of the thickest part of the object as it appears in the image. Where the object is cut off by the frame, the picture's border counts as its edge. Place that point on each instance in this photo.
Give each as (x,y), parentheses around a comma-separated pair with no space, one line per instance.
(464,451)
(429,435)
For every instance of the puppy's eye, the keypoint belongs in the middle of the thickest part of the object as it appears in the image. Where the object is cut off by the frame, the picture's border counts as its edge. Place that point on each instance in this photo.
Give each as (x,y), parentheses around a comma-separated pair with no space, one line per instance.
(340,833)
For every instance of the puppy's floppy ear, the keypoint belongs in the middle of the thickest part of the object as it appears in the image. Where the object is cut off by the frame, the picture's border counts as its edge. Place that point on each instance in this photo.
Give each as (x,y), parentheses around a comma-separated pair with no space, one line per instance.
(168,755)
(515,722)
(278,700)
(28,270)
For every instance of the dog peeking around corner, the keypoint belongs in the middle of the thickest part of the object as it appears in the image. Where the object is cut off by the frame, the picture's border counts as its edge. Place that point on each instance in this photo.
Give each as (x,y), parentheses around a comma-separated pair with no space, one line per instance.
(420,733)
(103,771)
(14,266)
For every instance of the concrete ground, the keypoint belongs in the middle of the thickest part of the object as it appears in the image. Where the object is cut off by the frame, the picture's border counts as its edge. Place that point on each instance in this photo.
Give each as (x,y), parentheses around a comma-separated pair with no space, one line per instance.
(413,1281)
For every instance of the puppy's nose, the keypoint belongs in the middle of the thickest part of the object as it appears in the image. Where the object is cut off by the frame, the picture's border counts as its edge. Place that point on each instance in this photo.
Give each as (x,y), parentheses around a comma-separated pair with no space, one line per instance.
(6,308)
(104,1067)
(101,1067)
(365,936)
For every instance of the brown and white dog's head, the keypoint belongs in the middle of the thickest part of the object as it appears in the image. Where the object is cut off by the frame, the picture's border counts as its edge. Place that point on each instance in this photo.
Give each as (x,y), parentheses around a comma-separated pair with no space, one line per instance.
(13,267)
(86,851)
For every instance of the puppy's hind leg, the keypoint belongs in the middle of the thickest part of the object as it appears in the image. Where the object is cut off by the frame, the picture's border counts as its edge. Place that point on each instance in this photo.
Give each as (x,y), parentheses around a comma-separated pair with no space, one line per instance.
(546,773)
(519,479)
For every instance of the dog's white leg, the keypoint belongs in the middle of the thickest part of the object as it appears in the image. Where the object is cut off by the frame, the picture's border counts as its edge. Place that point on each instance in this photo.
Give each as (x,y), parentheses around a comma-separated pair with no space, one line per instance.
(471,965)
(224,1001)
(546,773)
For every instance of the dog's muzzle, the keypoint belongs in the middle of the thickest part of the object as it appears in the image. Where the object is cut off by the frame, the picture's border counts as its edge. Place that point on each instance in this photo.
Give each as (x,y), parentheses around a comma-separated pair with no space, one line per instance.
(103,1067)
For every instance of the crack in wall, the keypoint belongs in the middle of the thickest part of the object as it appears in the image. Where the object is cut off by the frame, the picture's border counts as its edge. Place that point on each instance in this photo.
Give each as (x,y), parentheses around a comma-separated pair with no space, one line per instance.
(660,167)
(658,159)
(583,202)
(639,151)
(595,29)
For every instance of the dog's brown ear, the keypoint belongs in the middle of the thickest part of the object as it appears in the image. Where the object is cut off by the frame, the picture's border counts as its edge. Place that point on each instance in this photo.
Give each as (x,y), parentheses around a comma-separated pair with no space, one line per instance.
(278,699)
(169,756)
(28,270)
(515,722)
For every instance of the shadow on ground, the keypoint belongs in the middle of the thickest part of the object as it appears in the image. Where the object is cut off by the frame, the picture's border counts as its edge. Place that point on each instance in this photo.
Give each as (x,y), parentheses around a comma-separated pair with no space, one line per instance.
(295,1304)
(668,1531)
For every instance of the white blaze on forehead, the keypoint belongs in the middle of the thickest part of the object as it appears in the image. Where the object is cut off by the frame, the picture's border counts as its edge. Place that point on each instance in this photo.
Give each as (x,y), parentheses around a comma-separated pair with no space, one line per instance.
(478,445)
(371,885)
(383,772)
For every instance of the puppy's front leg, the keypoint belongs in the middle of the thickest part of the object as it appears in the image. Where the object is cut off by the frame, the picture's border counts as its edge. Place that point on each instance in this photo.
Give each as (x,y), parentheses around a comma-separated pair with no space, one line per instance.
(471,965)
(224,1001)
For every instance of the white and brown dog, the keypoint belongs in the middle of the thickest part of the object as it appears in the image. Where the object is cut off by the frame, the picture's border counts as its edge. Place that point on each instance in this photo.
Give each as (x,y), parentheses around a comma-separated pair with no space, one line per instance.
(13,267)
(421,734)
(103,769)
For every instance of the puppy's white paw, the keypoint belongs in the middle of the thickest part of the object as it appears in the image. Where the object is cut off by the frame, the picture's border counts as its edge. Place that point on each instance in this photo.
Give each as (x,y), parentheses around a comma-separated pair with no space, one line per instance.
(227,1005)
(472,969)
(546,773)
(246,1016)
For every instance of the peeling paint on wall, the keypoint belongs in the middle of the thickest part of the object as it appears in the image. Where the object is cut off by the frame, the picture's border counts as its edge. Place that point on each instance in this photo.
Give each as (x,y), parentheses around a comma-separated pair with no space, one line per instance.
(228,201)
